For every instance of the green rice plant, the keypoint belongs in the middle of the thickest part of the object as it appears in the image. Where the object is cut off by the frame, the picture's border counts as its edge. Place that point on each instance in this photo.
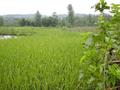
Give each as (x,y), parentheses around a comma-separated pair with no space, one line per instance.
(46,60)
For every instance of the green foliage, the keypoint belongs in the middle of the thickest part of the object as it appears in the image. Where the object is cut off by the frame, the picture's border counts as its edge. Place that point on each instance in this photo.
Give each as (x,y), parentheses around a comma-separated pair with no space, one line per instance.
(25,22)
(49,21)
(22,22)
(59,20)
(101,6)
(38,21)
(97,74)
(86,20)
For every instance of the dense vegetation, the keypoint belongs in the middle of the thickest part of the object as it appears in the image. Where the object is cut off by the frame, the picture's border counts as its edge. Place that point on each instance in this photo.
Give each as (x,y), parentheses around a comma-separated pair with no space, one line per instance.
(55,20)
(46,56)
(47,60)
(102,54)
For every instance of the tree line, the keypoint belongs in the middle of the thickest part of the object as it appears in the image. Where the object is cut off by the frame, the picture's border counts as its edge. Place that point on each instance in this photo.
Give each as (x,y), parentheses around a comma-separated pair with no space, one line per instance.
(39,21)
(54,20)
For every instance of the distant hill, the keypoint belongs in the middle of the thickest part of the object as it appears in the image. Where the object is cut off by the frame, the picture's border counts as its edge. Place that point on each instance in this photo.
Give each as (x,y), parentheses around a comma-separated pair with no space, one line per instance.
(18,16)
(32,15)
(11,19)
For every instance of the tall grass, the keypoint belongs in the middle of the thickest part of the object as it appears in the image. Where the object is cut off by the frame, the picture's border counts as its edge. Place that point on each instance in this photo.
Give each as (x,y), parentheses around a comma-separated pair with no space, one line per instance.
(47,60)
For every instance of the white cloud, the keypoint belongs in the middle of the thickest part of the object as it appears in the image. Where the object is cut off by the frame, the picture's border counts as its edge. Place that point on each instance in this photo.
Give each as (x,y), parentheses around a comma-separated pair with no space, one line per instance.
(46,6)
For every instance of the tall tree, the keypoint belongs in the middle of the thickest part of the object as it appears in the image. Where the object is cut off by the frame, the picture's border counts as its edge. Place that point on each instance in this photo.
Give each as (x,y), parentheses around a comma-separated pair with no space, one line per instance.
(70,15)
(55,19)
(38,20)
(1,21)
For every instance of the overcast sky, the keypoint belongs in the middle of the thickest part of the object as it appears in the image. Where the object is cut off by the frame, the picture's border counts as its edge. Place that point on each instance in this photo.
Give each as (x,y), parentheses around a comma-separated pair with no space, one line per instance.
(47,7)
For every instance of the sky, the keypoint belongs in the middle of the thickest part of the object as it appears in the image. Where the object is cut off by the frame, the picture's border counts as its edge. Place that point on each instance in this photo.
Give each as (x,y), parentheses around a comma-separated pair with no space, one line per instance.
(47,7)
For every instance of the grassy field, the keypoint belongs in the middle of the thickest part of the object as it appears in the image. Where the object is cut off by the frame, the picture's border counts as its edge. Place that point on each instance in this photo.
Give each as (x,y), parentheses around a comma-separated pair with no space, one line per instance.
(44,59)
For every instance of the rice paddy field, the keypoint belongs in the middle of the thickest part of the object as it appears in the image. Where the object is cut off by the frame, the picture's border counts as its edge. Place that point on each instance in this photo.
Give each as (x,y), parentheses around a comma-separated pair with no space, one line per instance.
(41,58)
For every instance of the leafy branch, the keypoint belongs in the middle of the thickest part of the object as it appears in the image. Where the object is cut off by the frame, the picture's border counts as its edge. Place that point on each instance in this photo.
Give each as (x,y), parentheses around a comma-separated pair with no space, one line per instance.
(102,48)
